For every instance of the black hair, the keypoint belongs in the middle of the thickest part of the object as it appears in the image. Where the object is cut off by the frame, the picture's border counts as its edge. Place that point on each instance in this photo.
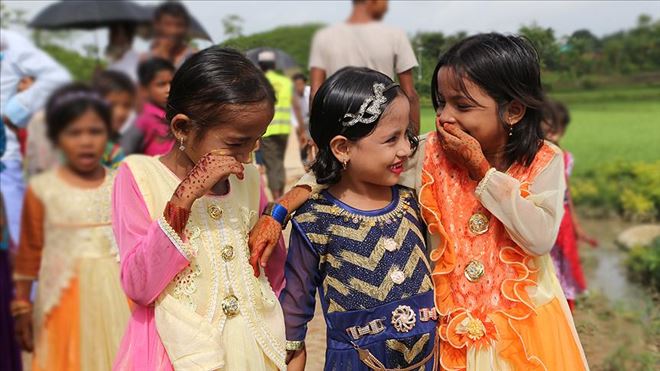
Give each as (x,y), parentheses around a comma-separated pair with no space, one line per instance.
(507,69)
(173,9)
(342,93)
(211,81)
(555,117)
(147,70)
(299,76)
(267,65)
(71,101)
(109,81)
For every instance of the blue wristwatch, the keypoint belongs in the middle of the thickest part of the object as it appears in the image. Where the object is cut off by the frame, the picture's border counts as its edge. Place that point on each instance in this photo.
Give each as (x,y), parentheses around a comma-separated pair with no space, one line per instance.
(278,212)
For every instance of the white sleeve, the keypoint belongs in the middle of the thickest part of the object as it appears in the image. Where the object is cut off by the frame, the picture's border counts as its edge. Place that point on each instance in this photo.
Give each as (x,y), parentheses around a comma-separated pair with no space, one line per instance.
(532,222)
(48,75)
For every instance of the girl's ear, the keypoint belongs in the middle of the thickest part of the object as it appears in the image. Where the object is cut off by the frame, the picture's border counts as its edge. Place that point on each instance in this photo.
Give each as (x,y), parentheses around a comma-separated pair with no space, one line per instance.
(515,112)
(340,147)
(180,126)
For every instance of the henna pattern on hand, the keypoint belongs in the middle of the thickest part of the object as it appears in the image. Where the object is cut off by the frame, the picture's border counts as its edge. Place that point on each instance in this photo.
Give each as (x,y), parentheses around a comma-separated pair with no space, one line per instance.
(263,241)
(212,168)
(266,233)
(463,150)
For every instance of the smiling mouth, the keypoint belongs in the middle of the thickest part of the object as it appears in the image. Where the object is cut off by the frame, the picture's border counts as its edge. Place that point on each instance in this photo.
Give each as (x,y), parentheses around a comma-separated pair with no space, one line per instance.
(397,168)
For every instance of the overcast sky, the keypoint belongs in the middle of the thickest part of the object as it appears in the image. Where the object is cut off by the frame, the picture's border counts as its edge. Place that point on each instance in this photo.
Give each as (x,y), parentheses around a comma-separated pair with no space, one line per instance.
(601,17)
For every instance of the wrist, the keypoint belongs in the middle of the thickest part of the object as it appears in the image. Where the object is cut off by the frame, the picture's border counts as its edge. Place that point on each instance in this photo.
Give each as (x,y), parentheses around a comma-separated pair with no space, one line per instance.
(18,307)
(278,212)
(479,171)
(176,216)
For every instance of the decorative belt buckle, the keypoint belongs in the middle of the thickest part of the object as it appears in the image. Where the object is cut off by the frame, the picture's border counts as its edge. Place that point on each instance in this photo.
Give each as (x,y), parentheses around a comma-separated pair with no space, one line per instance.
(403,318)
(372,328)
(428,314)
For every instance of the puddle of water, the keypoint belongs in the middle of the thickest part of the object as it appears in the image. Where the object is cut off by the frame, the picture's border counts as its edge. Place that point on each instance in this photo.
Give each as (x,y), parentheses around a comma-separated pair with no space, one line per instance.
(609,273)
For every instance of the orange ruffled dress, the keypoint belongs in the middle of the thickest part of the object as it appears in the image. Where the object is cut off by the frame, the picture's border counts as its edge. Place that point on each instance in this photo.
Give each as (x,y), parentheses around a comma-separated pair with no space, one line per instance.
(500,303)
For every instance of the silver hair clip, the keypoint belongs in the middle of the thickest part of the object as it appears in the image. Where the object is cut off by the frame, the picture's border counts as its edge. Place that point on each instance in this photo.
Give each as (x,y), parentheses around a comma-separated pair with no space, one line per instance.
(370,107)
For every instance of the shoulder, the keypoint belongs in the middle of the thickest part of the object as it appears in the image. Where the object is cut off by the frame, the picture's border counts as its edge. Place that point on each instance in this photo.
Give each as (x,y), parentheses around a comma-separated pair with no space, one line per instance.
(138,163)
(313,209)
(41,182)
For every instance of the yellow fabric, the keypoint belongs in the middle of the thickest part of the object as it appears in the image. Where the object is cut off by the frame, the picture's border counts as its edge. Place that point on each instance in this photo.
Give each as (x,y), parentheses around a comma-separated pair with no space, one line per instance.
(105,316)
(283,87)
(189,317)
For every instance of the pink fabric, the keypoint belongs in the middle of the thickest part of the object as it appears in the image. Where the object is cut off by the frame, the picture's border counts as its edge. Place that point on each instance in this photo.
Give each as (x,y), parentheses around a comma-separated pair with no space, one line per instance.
(156,138)
(149,261)
(275,268)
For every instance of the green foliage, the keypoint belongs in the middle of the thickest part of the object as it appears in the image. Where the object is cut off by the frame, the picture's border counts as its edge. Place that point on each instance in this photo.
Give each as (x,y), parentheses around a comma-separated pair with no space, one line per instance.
(81,68)
(643,263)
(295,40)
(630,189)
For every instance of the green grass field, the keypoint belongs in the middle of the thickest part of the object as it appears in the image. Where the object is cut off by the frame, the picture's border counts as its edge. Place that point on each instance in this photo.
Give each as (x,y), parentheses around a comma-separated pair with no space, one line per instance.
(606,125)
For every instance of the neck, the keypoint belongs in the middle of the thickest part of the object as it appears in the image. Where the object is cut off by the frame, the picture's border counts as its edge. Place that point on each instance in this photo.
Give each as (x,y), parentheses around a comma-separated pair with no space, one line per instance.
(360,194)
(177,162)
(91,176)
(360,15)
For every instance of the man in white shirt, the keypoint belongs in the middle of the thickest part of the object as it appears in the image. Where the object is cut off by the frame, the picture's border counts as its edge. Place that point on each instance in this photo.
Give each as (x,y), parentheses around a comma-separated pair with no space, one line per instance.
(364,41)
(20,58)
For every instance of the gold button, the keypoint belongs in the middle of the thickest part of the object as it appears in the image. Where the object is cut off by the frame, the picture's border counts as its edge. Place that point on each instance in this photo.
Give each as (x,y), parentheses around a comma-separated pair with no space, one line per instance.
(474,270)
(214,211)
(230,306)
(228,253)
(478,223)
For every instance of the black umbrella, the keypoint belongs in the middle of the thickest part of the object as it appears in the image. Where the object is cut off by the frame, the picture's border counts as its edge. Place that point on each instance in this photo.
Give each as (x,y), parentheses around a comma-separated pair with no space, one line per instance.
(90,14)
(283,61)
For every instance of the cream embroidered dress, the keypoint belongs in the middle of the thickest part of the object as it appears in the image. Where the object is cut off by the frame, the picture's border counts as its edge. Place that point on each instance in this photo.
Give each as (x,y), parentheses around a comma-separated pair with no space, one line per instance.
(199,295)
(67,245)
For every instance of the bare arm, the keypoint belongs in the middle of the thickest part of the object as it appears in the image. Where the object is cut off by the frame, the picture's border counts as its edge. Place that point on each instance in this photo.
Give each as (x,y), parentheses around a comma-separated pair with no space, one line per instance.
(408,85)
(316,77)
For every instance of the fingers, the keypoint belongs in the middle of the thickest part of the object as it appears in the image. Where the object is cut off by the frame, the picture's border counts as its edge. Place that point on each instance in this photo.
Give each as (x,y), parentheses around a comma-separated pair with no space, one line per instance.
(254,259)
(267,252)
(454,130)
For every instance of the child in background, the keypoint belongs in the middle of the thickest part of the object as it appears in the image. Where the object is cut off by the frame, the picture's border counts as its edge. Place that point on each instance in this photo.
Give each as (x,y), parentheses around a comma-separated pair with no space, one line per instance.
(361,242)
(181,222)
(119,92)
(67,245)
(151,133)
(565,254)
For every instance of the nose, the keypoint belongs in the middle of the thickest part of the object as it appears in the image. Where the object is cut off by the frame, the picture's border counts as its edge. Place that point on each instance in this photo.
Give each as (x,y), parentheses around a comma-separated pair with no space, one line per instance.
(244,158)
(445,115)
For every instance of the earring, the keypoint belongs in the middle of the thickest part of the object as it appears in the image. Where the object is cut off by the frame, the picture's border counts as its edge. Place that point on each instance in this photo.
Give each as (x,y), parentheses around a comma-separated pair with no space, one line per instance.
(181,146)
(344,164)
(510,129)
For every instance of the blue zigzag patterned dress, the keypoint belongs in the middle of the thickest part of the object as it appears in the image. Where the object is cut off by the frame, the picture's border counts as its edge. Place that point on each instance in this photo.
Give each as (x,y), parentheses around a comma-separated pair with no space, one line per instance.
(374,282)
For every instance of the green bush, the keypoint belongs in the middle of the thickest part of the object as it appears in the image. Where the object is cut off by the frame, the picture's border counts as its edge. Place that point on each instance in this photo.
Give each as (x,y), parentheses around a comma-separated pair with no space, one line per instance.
(631,190)
(643,263)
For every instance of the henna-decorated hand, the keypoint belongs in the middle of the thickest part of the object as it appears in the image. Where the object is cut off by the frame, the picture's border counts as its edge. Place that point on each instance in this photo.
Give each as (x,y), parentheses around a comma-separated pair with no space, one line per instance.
(212,168)
(462,149)
(263,240)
